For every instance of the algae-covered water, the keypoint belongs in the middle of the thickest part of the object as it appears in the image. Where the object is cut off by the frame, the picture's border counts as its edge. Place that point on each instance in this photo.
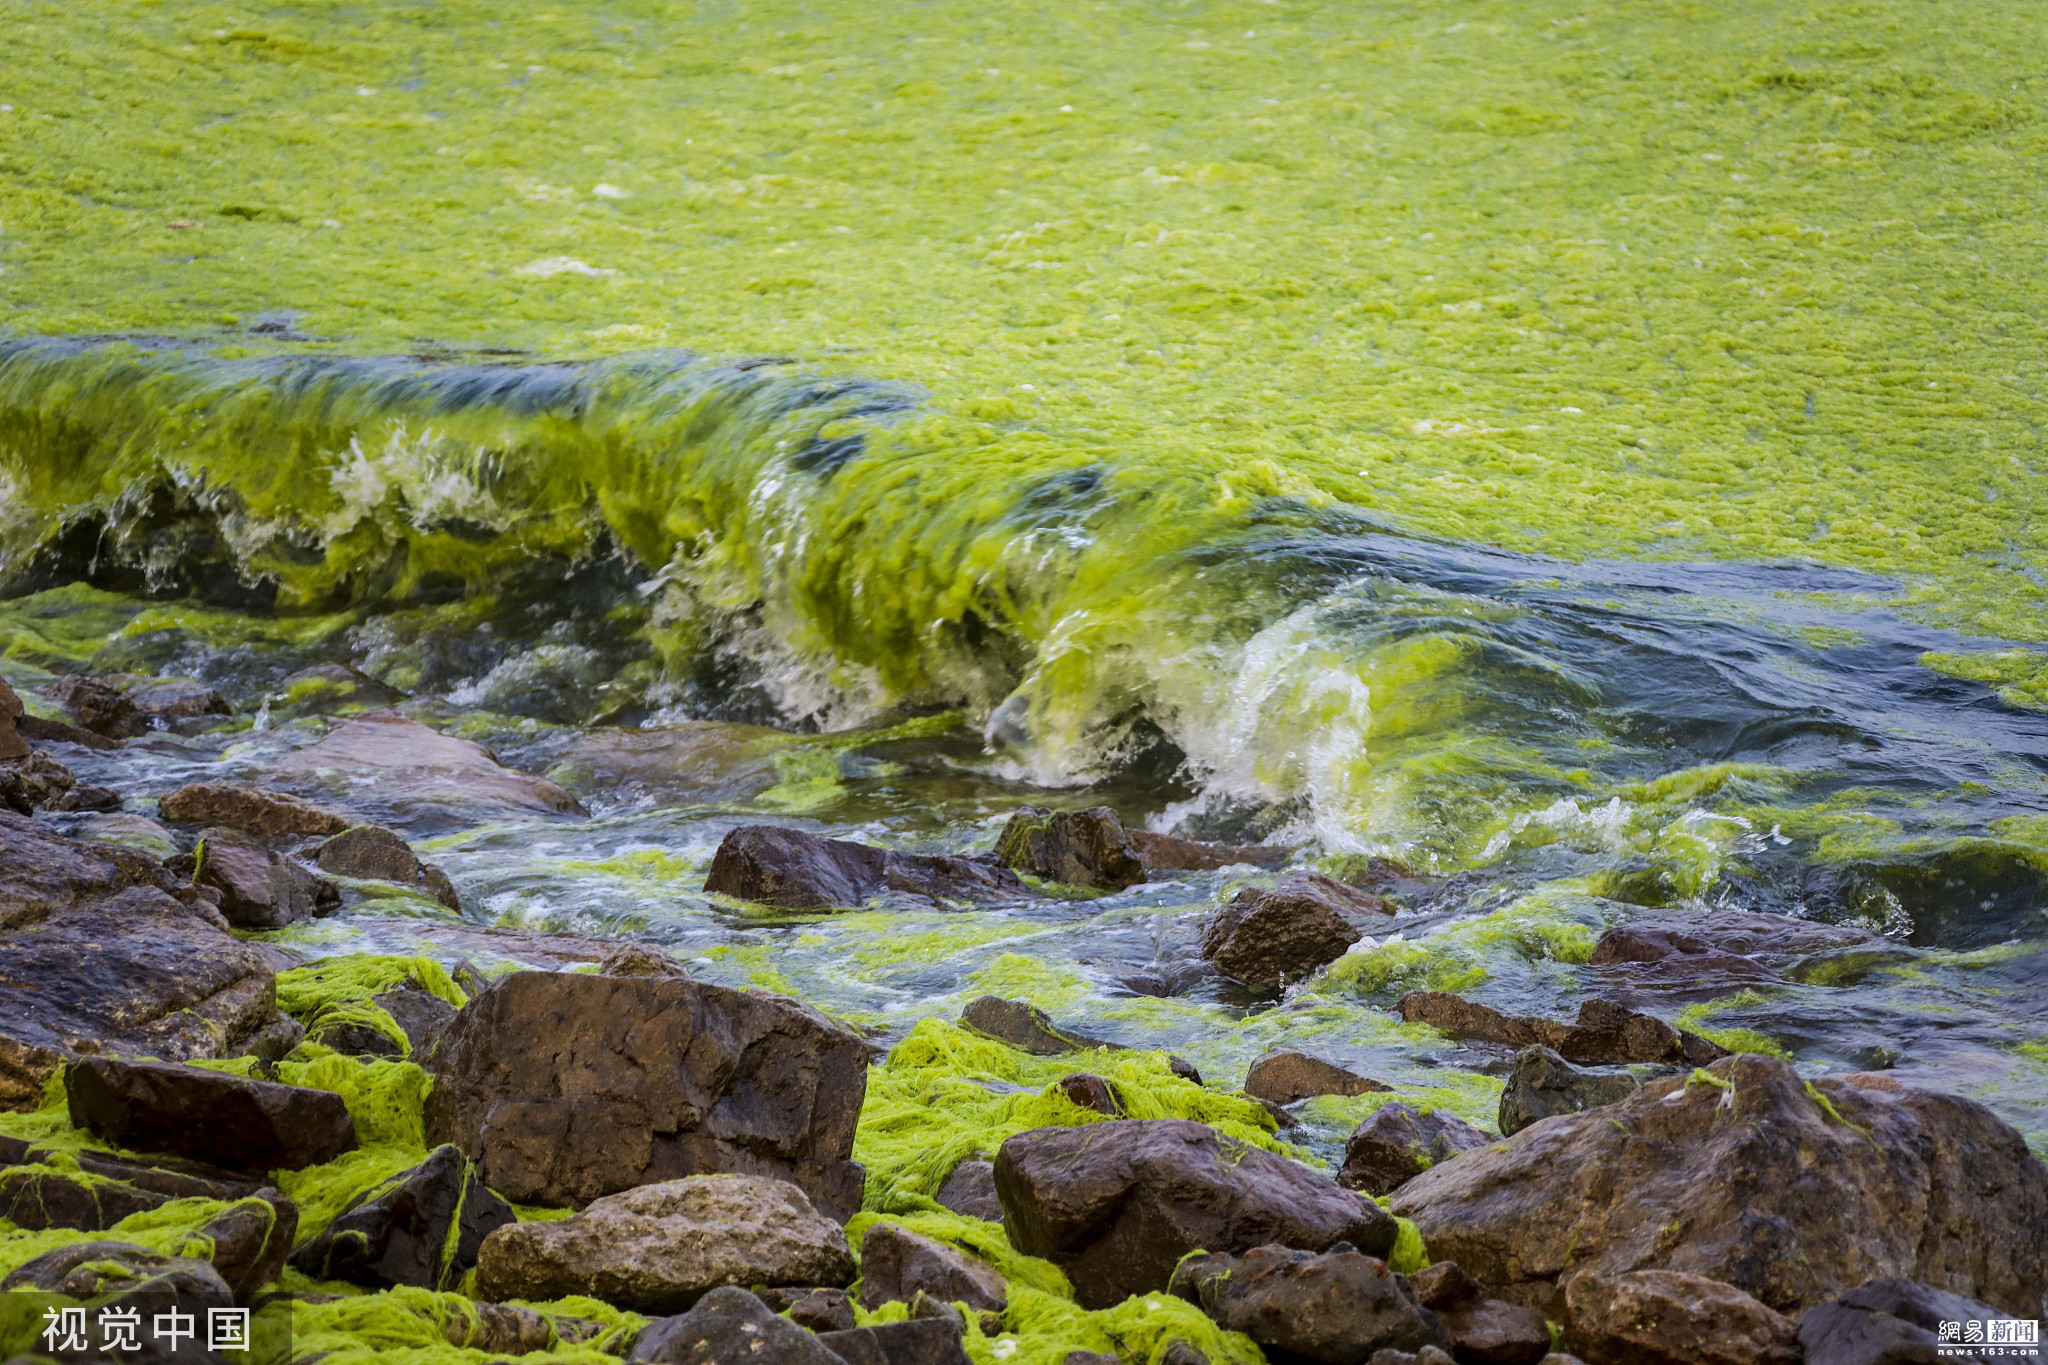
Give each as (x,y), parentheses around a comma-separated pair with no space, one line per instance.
(1590,454)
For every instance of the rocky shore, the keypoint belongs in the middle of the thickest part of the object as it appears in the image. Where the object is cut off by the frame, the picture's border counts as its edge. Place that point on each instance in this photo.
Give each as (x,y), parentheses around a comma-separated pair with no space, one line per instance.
(598,1156)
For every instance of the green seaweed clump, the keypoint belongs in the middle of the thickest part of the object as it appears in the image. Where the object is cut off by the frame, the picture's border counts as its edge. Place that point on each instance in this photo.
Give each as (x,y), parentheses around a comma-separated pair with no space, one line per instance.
(342,990)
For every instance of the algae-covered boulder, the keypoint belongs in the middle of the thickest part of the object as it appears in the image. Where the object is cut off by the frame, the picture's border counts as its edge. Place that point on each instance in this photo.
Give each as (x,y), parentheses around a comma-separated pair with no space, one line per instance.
(564,1087)
(659,1248)
(230,1121)
(1075,847)
(40,1188)
(1334,1307)
(419,1014)
(787,867)
(104,950)
(119,1270)
(422,1227)
(1399,1143)
(730,1327)
(1792,1192)
(265,814)
(1117,1205)
(1269,936)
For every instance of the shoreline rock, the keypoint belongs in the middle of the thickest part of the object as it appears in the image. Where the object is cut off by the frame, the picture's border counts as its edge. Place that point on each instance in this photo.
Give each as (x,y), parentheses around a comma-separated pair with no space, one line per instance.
(773,865)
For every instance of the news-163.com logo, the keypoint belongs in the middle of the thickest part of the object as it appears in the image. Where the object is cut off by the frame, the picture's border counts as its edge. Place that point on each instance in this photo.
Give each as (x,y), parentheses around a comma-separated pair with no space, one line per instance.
(1991,1338)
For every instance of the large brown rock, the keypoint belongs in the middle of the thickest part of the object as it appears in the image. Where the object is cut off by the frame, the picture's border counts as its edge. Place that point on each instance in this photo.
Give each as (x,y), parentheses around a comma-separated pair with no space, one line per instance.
(1605,1033)
(1336,1307)
(1117,1205)
(1270,936)
(773,865)
(1898,1322)
(383,760)
(1483,1330)
(103,950)
(1662,1317)
(565,1087)
(659,1248)
(258,887)
(1792,1192)
(230,1121)
(1073,847)
(1400,1142)
(265,814)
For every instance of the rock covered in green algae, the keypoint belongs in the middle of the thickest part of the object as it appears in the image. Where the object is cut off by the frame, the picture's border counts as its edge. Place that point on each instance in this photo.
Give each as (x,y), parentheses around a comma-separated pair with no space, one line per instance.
(1071,847)
(422,1227)
(658,1248)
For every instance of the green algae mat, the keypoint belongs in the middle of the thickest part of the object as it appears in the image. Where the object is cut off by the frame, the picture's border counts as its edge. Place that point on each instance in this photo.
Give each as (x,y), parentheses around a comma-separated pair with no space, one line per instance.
(1589,454)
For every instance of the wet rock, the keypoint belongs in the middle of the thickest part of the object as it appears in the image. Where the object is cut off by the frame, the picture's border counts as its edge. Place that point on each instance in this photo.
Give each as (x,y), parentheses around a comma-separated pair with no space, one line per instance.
(1169,853)
(729,1326)
(1400,1142)
(84,797)
(265,814)
(37,780)
(327,687)
(1073,847)
(1893,1321)
(1662,1317)
(1791,1192)
(1282,1077)
(426,777)
(633,959)
(373,852)
(1335,1307)
(1483,1330)
(121,1270)
(34,1195)
(929,1341)
(1117,1205)
(422,1227)
(1025,1028)
(250,1241)
(1428,1355)
(1674,953)
(225,1120)
(787,867)
(47,731)
(971,1190)
(507,1329)
(12,745)
(1543,1083)
(564,1087)
(420,1015)
(1092,1092)
(658,1248)
(1269,936)
(104,950)
(897,1264)
(259,888)
(820,1310)
(1605,1033)
(97,706)
(173,701)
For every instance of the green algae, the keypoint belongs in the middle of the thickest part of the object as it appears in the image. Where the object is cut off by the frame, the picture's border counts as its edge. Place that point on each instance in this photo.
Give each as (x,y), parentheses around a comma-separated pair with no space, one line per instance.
(2018,676)
(943,1093)
(340,990)
(1695,1019)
